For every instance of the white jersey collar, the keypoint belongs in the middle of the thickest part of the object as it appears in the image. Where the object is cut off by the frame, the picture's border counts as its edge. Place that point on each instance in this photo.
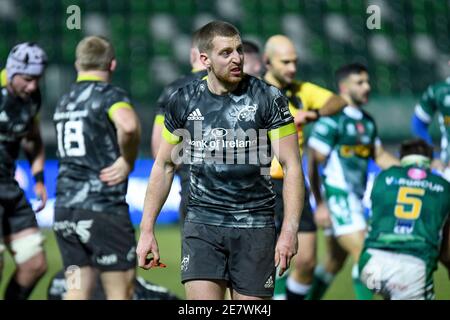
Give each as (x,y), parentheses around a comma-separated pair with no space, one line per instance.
(353,112)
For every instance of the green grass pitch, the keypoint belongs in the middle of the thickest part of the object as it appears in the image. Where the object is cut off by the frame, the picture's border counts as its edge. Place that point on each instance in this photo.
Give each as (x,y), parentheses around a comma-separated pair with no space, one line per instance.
(169,242)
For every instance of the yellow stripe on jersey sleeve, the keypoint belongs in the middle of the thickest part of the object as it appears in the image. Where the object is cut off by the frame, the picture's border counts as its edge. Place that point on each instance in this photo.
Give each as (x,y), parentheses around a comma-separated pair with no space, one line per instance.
(116,106)
(159,119)
(170,137)
(3,78)
(313,96)
(282,132)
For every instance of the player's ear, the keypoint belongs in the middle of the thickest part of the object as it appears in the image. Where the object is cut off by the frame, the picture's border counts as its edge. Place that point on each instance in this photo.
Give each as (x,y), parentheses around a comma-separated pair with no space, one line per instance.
(113,65)
(266,60)
(205,60)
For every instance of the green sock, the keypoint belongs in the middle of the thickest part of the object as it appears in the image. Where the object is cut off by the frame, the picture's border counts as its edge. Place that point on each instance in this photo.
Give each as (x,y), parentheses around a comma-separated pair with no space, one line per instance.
(361,291)
(321,282)
(279,292)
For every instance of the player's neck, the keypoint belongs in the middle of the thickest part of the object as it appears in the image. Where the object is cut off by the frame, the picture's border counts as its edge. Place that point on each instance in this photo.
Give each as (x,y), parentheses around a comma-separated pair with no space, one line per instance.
(219,87)
(350,102)
(95,74)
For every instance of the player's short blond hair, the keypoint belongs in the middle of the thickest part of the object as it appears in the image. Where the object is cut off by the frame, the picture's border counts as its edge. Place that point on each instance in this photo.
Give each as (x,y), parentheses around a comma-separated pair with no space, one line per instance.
(206,34)
(94,53)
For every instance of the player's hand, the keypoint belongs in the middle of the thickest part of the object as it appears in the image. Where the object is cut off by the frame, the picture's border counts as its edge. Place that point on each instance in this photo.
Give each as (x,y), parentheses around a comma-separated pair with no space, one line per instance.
(115,173)
(147,244)
(303,117)
(322,216)
(285,249)
(41,193)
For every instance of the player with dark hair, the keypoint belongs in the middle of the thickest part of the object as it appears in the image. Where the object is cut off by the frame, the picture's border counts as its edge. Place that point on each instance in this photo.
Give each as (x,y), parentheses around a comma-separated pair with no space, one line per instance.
(345,143)
(224,126)
(253,64)
(98,135)
(307,102)
(410,206)
(20,102)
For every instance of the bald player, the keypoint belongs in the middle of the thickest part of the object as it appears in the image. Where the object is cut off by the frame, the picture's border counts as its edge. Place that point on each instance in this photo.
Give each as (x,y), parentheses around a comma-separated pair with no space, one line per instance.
(307,102)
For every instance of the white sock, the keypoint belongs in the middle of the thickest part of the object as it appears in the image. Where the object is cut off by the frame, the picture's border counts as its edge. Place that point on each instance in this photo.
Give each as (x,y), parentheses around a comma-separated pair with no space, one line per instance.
(322,274)
(296,287)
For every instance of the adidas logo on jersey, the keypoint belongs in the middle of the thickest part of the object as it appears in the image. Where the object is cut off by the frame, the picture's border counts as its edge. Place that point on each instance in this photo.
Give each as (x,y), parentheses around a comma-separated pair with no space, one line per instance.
(269,283)
(4,117)
(195,115)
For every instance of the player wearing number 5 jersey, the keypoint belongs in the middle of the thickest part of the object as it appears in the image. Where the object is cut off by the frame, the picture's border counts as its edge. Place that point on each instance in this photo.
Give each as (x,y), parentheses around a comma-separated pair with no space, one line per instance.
(410,206)
(98,135)
(345,143)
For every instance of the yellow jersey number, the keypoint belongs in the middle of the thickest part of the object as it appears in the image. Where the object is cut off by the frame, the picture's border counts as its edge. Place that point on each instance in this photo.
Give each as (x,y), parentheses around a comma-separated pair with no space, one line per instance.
(409,203)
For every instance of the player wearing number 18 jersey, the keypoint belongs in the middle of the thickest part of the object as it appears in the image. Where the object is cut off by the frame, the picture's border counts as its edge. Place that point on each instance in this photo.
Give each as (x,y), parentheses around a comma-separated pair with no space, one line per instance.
(410,206)
(98,135)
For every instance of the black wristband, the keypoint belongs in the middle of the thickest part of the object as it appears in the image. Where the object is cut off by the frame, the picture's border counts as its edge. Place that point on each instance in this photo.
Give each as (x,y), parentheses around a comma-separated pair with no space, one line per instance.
(317,113)
(39,177)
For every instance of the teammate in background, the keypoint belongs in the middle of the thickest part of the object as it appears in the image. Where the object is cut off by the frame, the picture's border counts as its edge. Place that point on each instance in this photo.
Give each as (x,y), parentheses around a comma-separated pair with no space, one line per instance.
(98,135)
(253,64)
(436,99)
(410,206)
(305,101)
(198,72)
(20,102)
(229,227)
(345,142)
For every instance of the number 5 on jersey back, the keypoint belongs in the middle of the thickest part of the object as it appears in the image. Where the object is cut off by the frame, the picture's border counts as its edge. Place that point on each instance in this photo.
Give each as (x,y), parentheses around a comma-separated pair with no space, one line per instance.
(409,204)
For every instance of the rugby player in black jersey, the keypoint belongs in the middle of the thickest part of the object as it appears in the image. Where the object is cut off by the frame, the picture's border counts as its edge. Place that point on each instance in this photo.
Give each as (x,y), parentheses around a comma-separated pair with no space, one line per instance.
(98,135)
(222,127)
(20,101)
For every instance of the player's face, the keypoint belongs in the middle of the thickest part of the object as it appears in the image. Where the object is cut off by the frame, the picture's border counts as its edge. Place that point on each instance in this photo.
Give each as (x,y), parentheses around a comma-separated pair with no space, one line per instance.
(358,88)
(24,85)
(252,64)
(227,59)
(283,65)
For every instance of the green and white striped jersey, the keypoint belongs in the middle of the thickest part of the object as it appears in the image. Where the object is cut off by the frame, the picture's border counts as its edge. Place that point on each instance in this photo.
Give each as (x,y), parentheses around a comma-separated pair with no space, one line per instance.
(348,138)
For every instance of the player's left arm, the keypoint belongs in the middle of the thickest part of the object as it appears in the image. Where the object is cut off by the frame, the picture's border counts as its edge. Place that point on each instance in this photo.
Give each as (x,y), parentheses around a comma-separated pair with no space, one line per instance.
(323,101)
(33,148)
(287,151)
(383,158)
(128,137)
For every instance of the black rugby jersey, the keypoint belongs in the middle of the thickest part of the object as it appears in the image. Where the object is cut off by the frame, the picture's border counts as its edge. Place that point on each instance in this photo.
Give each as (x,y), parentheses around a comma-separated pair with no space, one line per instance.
(87,143)
(183,170)
(16,119)
(226,140)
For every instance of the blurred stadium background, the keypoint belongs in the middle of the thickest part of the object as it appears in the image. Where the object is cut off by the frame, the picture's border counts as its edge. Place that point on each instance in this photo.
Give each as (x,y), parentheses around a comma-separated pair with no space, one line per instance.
(152,40)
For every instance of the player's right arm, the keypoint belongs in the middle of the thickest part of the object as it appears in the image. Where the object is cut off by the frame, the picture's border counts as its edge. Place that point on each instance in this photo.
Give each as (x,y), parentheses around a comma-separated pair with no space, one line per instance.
(158,125)
(321,142)
(158,189)
(160,181)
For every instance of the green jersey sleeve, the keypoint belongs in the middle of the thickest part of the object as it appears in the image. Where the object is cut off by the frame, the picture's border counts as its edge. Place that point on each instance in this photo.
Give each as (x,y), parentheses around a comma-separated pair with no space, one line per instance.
(324,135)
(426,107)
